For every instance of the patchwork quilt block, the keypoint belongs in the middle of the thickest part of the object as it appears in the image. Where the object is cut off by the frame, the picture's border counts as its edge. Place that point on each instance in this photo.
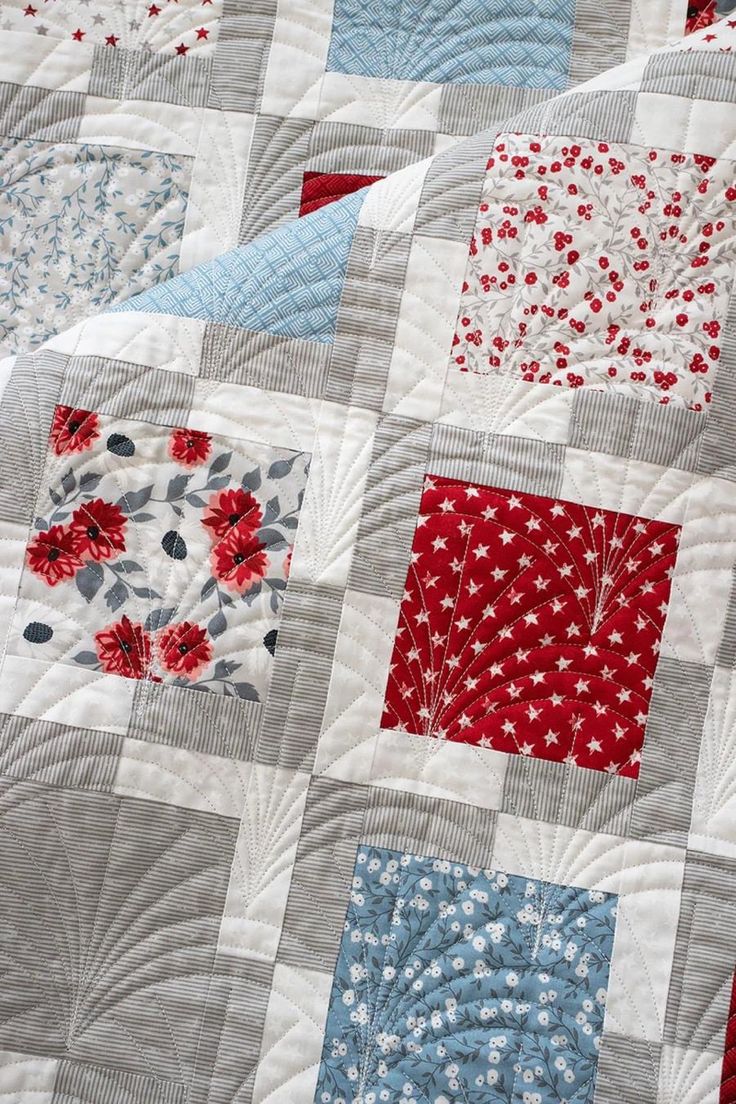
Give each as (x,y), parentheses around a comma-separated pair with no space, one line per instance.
(530,625)
(234,110)
(160,553)
(367,589)
(574,281)
(454,982)
(521,43)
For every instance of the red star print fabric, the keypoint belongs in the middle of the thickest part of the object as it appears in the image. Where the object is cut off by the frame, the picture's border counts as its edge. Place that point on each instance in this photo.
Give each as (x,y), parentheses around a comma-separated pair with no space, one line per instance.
(530,625)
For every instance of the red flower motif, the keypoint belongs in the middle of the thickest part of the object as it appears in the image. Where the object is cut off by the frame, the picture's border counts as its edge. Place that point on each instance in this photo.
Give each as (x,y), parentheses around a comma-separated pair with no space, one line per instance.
(73,430)
(124,649)
(190,446)
(184,650)
(98,530)
(229,508)
(239,560)
(52,555)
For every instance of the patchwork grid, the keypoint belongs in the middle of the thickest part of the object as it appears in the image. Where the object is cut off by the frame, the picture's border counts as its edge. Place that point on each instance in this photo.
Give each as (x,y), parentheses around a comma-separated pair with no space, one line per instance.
(208,83)
(223,774)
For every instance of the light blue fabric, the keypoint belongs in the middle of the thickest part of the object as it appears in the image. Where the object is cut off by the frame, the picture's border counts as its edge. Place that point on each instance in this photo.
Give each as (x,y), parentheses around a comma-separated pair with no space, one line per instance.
(524,43)
(455,984)
(288,282)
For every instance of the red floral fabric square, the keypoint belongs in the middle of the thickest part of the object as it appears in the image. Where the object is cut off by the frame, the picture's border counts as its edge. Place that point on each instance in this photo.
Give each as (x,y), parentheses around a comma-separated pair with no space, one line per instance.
(595,263)
(319,189)
(530,625)
(159,553)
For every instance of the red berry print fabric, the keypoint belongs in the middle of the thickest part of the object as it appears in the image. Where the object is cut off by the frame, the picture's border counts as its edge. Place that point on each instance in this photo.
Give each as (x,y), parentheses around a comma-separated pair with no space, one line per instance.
(531,626)
(599,264)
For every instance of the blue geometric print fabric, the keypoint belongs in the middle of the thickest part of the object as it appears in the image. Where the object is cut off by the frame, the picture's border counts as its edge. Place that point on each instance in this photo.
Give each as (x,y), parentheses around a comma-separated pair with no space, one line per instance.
(287,283)
(456,984)
(524,43)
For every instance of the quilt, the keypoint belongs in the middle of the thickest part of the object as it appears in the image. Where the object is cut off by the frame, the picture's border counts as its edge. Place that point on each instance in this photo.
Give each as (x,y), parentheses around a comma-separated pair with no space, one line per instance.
(140,139)
(368,565)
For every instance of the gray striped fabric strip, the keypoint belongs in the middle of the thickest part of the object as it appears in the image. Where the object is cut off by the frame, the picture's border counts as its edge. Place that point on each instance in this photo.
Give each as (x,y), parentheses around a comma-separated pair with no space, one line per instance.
(423,825)
(342,147)
(26,413)
(126,390)
(145,75)
(636,429)
(48,116)
(264,360)
(496,459)
(277,158)
(390,507)
(210,723)
(694,74)
(298,694)
(57,754)
(670,755)
(83,1084)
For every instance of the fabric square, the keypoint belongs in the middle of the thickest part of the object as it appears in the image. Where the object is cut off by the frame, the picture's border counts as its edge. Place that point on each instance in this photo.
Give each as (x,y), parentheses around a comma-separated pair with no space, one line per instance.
(455,983)
(110,915)
(320,188)
(79,226)
(575,280)
(530,625)
(159,554)
(525,43)
(180,28)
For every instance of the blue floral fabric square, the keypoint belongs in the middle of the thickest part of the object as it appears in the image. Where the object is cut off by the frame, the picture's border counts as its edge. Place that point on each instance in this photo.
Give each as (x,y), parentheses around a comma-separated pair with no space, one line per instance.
(522,43)
(460,984)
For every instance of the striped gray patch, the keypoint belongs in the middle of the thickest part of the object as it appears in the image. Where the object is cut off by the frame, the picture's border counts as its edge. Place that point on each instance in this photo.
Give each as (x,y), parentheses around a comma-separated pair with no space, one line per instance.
(705,952)
(98,885)
(243,43)
(303,663)
(278,154)
(125,390)
(694,74)
(422,825)
(347,148)
(601,115)
(26,413)
(726,655)
(452,189)
(367,318)
(674,728)
(147,75)
(466,109)
(624,1063)
(230,1039)
(636,429)
(57,754)
(88,1084)
(559,793)
(210,723)
(30,112)
(718,449)
(390,505)
(320,883)
(600,38)
(257,359)
(497,460)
